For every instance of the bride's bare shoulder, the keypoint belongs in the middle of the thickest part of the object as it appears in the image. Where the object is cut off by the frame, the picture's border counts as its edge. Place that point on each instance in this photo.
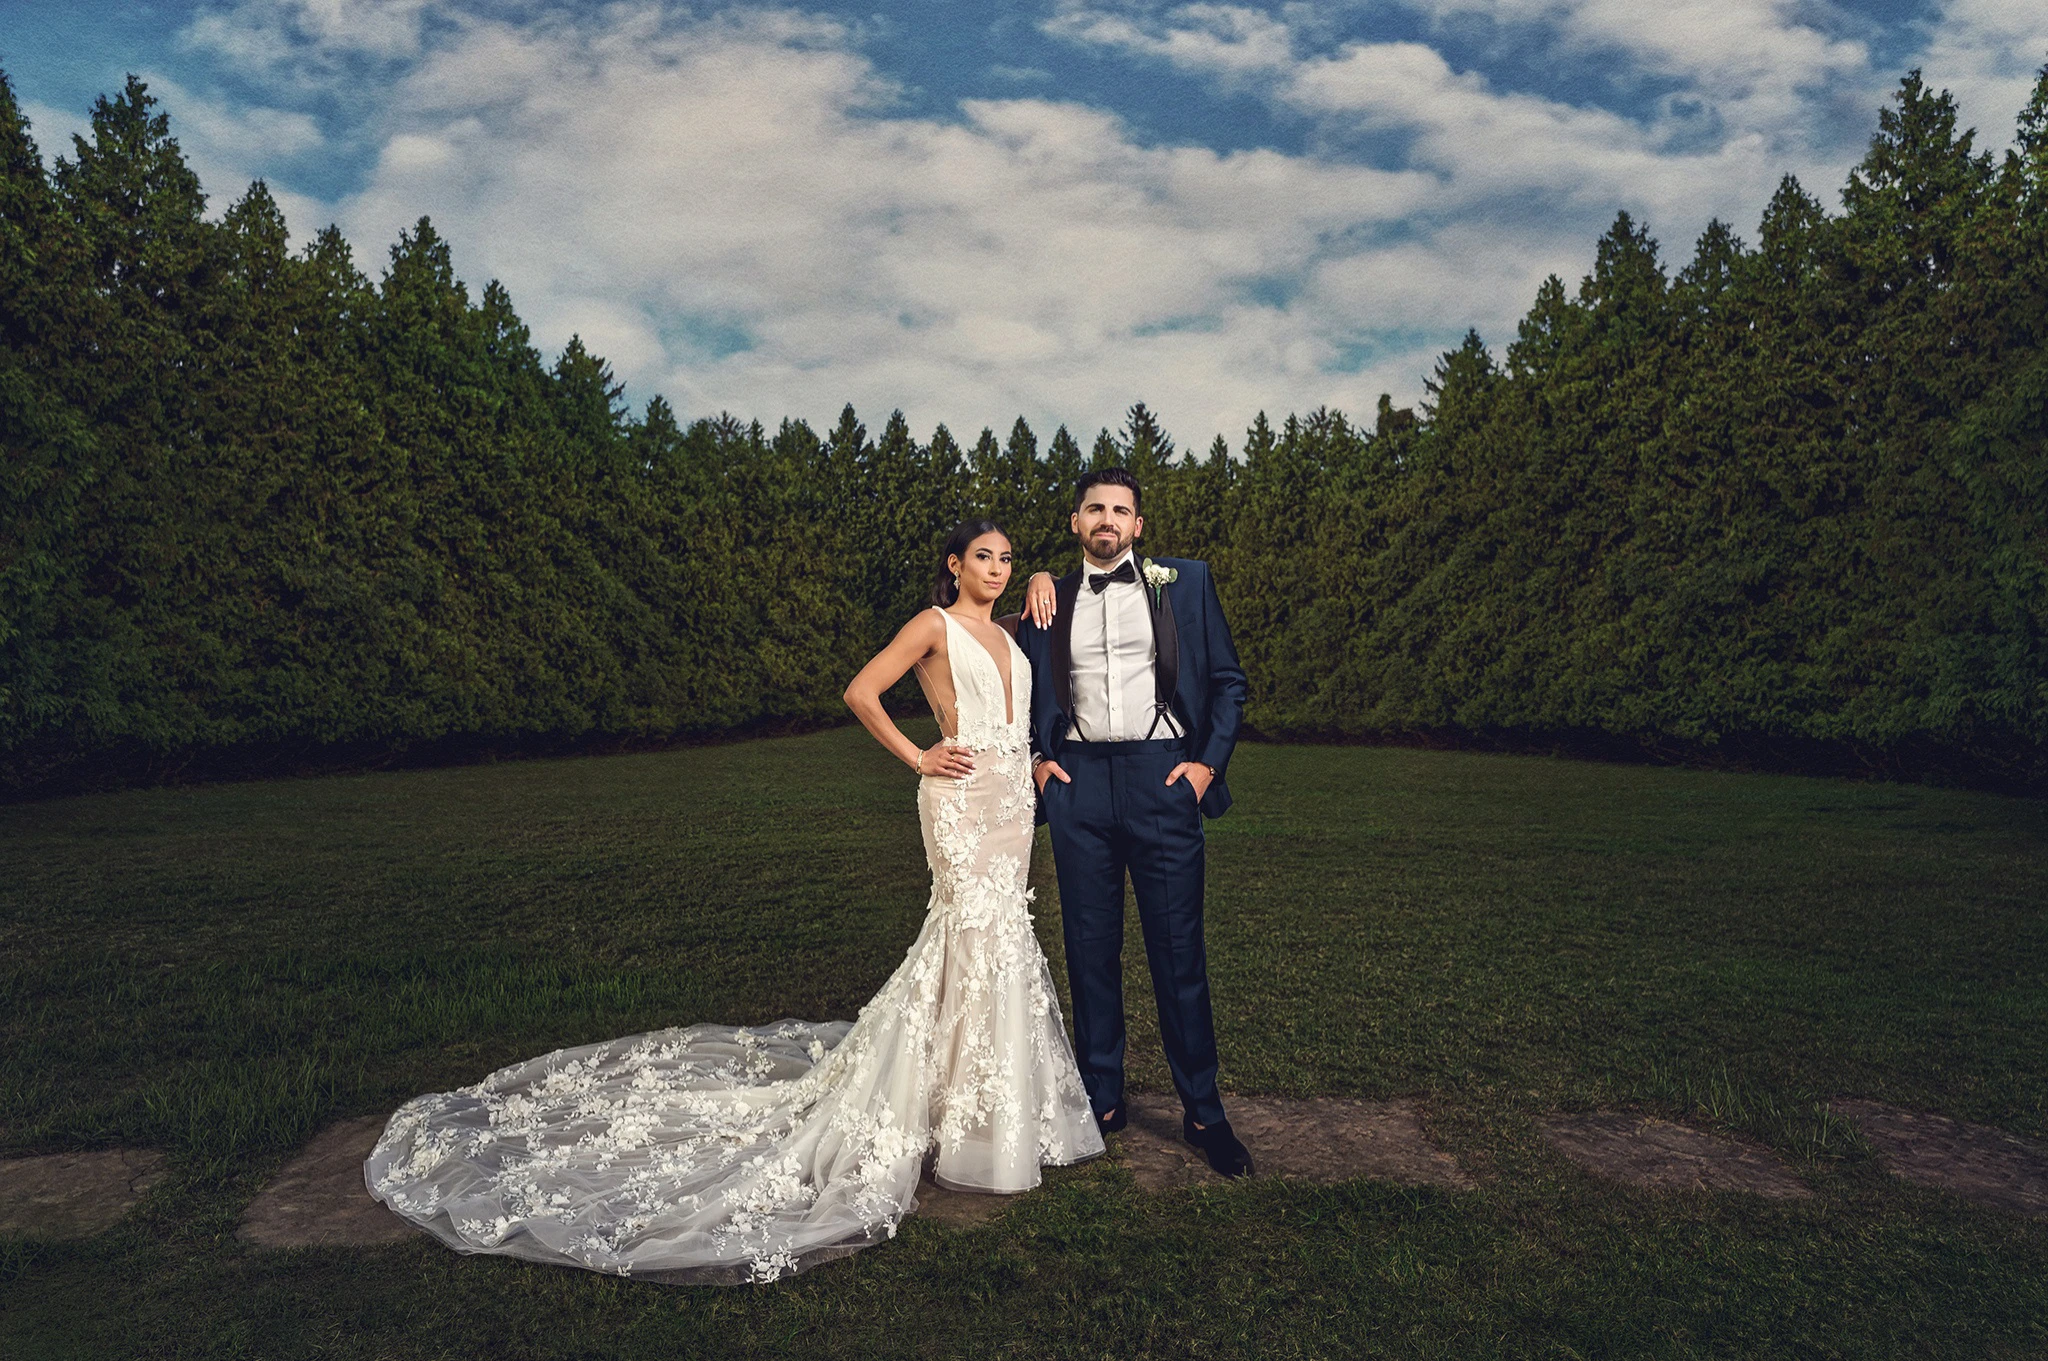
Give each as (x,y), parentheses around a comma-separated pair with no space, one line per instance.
(925,628)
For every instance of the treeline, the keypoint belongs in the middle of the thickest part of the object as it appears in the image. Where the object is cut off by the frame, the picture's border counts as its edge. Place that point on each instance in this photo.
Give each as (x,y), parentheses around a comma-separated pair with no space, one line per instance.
(1786,504)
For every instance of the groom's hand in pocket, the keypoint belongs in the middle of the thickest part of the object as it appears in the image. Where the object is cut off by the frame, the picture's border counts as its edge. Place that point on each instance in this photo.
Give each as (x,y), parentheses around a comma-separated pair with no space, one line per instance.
(1047,770)
(1194,772)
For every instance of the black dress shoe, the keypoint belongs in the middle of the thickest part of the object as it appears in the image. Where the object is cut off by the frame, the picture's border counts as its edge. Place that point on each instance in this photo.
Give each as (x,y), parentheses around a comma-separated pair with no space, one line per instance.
(1114,1121)
(1226,1154)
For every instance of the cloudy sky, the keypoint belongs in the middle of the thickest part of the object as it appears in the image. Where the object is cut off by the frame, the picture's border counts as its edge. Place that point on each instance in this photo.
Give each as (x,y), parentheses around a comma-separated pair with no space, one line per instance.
(1051,208)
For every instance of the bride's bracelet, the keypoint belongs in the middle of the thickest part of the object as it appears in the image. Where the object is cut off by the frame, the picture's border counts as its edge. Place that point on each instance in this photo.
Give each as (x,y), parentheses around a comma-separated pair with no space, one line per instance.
(918,764)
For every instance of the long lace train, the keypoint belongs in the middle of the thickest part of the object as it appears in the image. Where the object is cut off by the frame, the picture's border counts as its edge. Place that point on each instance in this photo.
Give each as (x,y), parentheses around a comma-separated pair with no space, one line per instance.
(728,1153)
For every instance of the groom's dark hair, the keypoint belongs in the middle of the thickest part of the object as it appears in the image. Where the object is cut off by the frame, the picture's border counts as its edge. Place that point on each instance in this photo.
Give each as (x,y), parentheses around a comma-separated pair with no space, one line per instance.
(1115,477)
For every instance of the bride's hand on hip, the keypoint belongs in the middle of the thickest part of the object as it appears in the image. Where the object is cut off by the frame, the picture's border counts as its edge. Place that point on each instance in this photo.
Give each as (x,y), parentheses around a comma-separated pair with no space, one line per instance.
(946,761)
(1039,603)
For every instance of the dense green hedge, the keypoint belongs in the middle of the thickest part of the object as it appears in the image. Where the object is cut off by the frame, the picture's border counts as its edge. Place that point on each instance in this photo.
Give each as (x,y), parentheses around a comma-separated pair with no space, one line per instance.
(1789,503)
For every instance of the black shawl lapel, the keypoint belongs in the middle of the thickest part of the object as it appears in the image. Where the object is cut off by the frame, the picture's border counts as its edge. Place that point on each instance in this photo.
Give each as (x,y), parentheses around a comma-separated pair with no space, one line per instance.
(1064,593)
(1166,641)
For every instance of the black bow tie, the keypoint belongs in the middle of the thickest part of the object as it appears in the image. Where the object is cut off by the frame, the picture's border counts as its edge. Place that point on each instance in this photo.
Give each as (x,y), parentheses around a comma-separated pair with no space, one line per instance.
(1098,582)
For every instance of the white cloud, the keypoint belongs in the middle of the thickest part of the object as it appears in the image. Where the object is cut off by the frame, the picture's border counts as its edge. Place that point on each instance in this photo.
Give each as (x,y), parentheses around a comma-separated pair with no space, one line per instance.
(735,208)
(231,144)
(1518,184)
(241,134)
(1226,39)
(284,34)
(54,128)
(1759,59)
(1714,148)
(227,145)
(1988,52)
(1762,63)
(1497,152)
(727,210)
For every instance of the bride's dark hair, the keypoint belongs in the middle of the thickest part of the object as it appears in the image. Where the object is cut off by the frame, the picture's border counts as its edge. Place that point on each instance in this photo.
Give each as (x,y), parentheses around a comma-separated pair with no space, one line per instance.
(945,588)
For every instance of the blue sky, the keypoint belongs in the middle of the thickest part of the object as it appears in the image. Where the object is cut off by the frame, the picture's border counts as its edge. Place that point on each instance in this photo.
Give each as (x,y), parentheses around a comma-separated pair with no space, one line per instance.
(1041,207)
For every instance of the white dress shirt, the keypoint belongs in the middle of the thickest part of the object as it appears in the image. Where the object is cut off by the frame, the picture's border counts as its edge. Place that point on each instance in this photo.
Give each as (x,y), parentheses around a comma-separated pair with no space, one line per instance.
(1114,653)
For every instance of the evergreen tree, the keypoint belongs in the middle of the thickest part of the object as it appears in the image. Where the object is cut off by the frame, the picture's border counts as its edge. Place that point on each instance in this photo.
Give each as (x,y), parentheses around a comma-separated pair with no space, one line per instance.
(1787,503)
(1063,468)
(1146,448)
(589,402)
(1106,453)
(139,215)
(60,665)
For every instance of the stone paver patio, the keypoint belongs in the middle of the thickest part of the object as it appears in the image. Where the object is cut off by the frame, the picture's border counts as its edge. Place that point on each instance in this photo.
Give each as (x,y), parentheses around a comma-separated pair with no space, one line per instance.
(318,1199)
(1982,1165)
(1642,1150)
(1320,1139)
(74,1195)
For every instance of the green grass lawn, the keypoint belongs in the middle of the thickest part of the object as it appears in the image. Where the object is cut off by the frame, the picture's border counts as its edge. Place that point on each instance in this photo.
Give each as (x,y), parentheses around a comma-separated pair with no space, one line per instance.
(218,971)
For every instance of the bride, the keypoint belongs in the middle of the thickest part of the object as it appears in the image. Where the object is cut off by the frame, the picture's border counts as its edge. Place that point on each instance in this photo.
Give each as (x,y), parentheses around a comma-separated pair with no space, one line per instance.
(717,1153)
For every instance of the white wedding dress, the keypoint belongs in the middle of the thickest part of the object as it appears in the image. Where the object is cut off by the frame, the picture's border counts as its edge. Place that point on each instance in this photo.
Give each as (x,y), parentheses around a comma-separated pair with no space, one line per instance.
(728,1153)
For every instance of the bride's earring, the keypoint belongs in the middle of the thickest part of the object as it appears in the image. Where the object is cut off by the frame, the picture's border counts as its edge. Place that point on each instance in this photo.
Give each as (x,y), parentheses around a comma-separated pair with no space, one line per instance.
(956,581)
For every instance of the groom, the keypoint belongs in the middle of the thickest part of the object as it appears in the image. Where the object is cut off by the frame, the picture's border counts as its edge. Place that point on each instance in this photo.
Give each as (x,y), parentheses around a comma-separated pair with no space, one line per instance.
(1136,695)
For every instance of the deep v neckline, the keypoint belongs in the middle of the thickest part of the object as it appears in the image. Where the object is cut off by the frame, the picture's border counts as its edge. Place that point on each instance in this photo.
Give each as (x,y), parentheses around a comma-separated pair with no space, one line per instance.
(1003,673)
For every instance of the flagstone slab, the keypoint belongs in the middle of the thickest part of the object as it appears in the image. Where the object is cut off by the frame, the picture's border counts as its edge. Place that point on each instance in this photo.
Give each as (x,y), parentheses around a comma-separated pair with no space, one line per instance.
(1985,1166)
(957,1209)
(74,1195)
(1316,1139)
(319,1199)
(1661,1155)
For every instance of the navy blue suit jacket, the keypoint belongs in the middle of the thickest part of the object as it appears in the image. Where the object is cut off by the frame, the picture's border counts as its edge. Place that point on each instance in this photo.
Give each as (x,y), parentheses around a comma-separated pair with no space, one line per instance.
(1198,666)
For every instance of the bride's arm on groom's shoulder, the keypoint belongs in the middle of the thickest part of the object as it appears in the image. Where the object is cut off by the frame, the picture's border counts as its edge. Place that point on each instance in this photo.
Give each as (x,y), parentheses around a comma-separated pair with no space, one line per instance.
(1040,603)
(917,640)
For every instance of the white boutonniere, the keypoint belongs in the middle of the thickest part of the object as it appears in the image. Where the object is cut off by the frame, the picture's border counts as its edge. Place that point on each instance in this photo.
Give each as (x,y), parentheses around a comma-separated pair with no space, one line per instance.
(1156,576)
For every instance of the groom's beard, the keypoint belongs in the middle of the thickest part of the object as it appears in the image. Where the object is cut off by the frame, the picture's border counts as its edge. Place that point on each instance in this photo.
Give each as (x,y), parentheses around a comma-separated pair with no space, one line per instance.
(1104,556)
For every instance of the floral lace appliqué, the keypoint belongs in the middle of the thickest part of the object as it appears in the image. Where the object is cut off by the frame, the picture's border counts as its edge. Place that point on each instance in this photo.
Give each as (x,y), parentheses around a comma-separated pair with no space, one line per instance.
(731,1153)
